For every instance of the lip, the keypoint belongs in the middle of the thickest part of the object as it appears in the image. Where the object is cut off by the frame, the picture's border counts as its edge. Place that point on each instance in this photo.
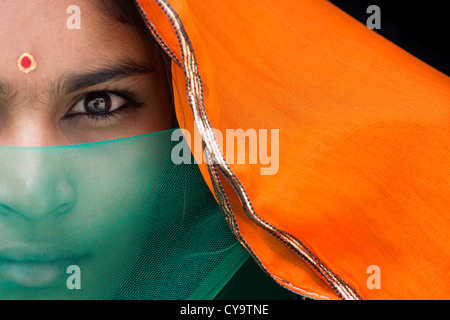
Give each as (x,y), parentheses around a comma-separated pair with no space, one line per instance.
(33,266)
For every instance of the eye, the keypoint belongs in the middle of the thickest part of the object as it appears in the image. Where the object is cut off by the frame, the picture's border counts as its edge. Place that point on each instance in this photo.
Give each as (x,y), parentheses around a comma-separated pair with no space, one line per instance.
(99,102)
(103,106)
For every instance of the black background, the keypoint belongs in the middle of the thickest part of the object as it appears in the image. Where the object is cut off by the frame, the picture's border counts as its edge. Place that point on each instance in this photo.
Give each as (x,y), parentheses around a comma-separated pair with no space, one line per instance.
(419,27)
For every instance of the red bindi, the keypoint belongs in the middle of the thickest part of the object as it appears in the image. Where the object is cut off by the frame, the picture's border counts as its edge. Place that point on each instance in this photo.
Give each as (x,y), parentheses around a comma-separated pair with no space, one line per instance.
(26,62)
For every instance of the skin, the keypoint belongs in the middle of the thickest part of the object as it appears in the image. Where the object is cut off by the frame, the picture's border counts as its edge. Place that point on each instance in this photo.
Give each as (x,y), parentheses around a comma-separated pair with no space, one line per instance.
(83,217)
(35,116)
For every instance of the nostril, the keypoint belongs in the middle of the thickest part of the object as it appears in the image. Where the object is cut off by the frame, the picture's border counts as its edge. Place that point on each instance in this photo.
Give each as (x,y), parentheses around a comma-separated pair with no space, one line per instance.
(34,202)
(5,210)
(64,208)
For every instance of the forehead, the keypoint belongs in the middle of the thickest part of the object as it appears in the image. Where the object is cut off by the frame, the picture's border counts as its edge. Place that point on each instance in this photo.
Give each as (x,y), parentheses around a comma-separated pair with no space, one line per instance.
(41,28)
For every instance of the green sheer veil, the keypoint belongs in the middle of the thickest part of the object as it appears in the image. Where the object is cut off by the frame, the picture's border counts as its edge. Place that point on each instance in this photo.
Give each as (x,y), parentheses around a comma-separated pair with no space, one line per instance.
(114,219)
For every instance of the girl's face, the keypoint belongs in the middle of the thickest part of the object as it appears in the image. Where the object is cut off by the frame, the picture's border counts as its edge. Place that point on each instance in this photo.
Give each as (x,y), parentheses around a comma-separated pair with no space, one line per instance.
(105,66)
(100,82)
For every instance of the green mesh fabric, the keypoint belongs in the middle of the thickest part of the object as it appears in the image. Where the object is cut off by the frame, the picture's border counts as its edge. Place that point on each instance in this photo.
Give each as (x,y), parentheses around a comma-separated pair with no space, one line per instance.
(136,225)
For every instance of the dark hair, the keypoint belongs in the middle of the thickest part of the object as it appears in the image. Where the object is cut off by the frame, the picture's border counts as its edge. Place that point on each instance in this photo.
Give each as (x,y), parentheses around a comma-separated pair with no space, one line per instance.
(127,12)
(124,11)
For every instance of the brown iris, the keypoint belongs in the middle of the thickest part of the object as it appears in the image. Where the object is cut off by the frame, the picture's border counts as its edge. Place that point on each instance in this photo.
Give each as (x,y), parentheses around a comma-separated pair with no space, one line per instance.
(97,102)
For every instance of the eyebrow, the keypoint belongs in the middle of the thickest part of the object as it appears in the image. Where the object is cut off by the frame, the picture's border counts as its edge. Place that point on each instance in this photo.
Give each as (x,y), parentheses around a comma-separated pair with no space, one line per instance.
(112,71)
(67,83)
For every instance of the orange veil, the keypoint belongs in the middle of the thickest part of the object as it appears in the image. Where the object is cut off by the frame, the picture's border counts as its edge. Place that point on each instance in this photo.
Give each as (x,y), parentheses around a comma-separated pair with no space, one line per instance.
(359,206)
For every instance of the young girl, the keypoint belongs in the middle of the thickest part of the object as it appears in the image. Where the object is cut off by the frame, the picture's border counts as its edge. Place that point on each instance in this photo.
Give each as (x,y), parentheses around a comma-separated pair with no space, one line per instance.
(91,204)
(96,204)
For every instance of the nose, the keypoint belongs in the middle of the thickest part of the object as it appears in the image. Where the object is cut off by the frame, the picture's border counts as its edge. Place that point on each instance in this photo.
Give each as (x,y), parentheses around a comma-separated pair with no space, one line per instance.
(33,184)
(31,130)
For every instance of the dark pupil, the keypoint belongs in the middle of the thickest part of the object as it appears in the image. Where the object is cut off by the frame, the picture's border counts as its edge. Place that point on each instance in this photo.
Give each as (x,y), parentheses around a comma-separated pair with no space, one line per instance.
(97,103)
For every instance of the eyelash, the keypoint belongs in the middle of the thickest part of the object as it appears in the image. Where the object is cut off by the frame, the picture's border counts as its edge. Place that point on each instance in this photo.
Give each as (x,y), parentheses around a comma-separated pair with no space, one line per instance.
(102,117)
(109,116)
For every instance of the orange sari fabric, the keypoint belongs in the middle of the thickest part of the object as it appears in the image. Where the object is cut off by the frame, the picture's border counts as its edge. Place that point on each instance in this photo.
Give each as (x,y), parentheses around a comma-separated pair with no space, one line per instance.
(362,194)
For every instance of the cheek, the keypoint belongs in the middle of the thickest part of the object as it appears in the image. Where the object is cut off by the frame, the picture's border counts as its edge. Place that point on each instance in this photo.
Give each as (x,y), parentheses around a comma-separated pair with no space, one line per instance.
(161,113)
(128,197)
(122,188)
